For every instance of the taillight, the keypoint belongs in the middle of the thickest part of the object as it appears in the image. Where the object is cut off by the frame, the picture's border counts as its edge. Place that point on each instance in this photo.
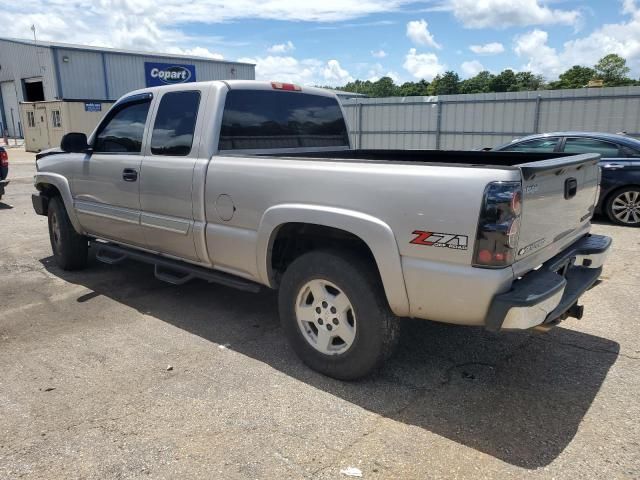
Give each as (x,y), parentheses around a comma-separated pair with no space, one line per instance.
(4,159)
(290,87)
(498,225)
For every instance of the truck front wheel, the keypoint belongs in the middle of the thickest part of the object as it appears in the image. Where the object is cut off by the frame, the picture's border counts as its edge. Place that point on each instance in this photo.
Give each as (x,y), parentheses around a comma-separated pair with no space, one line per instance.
(70,249)
(335,314)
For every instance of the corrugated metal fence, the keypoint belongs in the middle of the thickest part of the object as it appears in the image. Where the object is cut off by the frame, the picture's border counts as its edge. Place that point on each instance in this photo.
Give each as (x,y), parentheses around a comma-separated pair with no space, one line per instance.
(484,120)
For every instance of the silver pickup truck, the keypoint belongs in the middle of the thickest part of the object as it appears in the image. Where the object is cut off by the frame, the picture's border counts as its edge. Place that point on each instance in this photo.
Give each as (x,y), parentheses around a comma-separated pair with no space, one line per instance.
(254,184)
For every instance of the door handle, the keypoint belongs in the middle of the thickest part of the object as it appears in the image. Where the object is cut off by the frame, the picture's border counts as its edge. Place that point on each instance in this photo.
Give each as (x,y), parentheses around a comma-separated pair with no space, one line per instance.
(129,175)
(613,166)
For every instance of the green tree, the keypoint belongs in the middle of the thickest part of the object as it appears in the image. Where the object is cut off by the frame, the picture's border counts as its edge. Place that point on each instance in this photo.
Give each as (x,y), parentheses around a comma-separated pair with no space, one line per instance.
(481,83)
(613,70)
(505,81)
(447,84)
(576,77)
(412,89)
(384,87)
(528,81)
(358,86)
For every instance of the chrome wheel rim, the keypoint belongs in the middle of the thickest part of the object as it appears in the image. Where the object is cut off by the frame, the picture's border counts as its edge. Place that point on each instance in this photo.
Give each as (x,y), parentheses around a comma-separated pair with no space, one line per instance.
(326,317)
(626,207)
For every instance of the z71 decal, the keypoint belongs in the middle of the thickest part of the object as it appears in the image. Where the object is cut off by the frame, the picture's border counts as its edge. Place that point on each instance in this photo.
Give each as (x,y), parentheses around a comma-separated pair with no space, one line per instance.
(447,240)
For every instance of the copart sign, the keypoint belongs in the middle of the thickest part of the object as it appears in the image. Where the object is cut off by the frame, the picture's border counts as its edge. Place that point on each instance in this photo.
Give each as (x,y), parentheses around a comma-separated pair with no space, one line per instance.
(158,74)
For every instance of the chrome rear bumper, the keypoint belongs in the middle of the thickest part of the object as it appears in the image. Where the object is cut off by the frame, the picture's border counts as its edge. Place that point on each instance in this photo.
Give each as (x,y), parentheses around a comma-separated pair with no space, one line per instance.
(549,294)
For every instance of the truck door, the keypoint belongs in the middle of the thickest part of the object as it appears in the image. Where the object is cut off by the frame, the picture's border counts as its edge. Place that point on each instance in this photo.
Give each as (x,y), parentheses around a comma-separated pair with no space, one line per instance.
(166,188)
(106,185)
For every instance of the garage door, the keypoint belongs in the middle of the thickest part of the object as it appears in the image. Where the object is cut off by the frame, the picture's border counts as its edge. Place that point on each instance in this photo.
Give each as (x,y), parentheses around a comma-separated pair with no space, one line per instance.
(10,101)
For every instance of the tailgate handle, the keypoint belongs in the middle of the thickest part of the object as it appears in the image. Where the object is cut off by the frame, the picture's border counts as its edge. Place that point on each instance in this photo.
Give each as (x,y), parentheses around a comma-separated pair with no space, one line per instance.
(570,188)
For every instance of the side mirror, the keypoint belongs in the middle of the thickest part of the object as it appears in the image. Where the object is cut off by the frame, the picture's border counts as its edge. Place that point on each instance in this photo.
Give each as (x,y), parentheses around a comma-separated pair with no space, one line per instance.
(74,143)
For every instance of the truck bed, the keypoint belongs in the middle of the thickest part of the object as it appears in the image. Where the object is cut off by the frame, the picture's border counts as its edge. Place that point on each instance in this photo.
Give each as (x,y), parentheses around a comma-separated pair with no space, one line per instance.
(450,157)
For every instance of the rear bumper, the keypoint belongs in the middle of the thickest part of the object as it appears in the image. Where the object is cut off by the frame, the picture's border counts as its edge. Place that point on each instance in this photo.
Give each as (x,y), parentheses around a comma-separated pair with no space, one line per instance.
(3,183)
(547,295)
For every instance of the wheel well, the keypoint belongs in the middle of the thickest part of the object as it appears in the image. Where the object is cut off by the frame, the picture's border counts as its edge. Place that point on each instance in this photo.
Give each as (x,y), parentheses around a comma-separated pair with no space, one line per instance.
(48,191)
(295,239)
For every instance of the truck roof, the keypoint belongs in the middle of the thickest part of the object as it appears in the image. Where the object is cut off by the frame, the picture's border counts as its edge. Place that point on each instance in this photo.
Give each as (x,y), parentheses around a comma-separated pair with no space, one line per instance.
(233,85)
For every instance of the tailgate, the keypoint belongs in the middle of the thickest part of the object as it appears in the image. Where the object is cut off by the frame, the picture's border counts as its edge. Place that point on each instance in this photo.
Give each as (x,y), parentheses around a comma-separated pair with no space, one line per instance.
(559,196)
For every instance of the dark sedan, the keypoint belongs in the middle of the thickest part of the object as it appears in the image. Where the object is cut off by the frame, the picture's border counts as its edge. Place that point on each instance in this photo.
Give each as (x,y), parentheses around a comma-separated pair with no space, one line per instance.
(620,186)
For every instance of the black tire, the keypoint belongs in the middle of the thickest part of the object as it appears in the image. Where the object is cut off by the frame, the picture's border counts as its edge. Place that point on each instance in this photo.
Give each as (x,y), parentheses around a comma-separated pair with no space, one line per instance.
(377,329)
(70,249)
(611,211)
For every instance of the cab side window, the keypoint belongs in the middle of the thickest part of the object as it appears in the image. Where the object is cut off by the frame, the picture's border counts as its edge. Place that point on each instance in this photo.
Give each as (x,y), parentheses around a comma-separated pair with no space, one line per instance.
(175,123)
(537,145)
(123,129)
(591,145)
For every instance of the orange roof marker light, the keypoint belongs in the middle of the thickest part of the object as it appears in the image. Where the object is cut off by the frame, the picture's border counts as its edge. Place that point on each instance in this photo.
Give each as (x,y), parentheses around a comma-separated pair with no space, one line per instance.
(286,86)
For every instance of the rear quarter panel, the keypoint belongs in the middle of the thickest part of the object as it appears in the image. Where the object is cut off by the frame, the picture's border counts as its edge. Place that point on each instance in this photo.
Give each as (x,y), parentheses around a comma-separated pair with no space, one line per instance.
(406,198)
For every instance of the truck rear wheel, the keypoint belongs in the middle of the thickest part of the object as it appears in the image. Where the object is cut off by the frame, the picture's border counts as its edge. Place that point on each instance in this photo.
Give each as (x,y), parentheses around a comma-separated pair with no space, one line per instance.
(335,314)
(70,249)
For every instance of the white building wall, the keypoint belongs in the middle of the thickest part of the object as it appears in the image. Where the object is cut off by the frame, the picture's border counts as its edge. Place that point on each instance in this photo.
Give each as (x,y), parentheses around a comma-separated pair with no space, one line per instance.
(126,72)
(18,61)
(81,74)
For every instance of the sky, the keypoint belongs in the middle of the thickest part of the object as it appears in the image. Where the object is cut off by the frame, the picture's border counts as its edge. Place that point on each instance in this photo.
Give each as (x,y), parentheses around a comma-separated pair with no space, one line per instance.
(331,42)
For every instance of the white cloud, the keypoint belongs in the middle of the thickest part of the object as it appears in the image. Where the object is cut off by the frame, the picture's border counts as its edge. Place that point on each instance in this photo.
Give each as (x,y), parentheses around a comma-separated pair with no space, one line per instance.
(423,65)
(630,7)
(418,32)
(471,68)
(334,74)
(542,59)
(620,38)
(195,52)
(157,25)
(393,76)
(379,53)
(281,47)
(308,71)
(377,71)
(487,49)
(508,13)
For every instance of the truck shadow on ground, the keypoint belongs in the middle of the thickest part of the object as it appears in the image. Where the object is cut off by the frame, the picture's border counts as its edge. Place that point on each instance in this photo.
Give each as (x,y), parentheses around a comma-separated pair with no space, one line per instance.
(519,397)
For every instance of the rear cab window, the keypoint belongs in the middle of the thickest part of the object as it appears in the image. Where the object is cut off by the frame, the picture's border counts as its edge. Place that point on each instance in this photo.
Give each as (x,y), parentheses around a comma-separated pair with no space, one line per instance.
(264,119)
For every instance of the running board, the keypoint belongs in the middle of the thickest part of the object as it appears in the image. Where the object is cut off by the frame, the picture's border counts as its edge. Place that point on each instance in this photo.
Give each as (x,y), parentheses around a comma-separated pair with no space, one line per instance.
(169,270)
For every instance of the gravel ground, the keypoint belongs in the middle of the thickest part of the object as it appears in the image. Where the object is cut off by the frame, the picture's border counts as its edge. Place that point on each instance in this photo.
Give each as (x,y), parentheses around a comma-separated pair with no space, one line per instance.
(86,388)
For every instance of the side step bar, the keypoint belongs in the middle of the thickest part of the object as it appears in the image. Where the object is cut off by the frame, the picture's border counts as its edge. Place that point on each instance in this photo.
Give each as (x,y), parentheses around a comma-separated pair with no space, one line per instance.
(169,270)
